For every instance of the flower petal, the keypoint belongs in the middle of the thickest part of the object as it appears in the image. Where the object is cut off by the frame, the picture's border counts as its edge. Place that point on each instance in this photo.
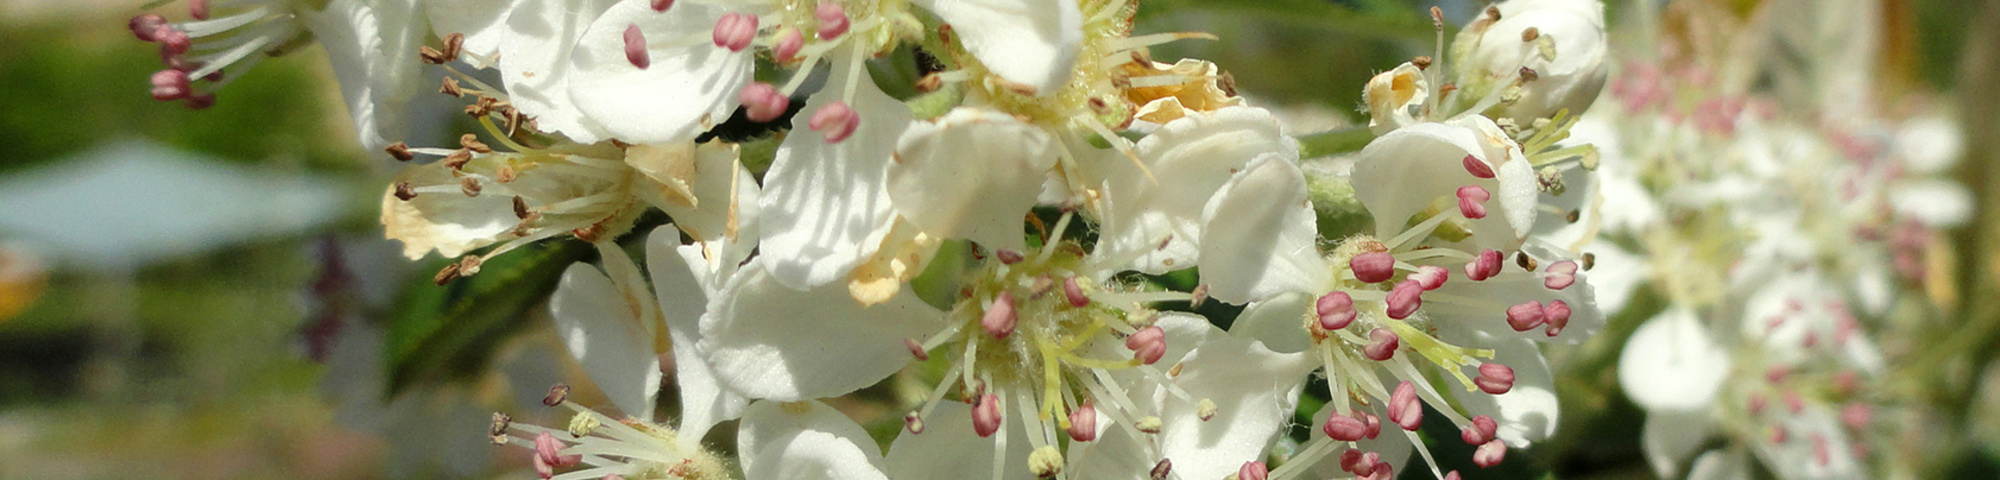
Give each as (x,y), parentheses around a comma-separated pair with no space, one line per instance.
(1031,42)
(602,331)
(451,224)
(1278,322)
(769,341)
(1259,231)
(371,47)
(1255,391)
(1401,174)
(805,441)
(1671,364)
(683,297)
(689,87)
(1935,202)
(1527,412)
(825,207)
(1720,465)
(948,448)
(1186,161)
(971,174)
(1671,436)
(482,22)
(1481,306)
(535,51)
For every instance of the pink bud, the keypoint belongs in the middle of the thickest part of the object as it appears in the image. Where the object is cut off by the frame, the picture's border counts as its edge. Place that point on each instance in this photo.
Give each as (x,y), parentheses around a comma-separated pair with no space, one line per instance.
(832,20)
(1148,344)
(170,85)
(1484,266)
(1431,276)
(1372,267)
(1083,423)
(146,26)
(1525,316)
(1000,317)
(1560,275)
(1074,293)
(1472,201)
(1494,378)
(1385,344)
(1556,315)
(835,122)
(1482,430)
(1404,409)
(635,47)
(789,44)
(762,102)
(662,5)
(986,415)
(1345,428)
(1490,454)
(1253,471)
(1404,299)
(735,31)
(1336,310)
(1477,167)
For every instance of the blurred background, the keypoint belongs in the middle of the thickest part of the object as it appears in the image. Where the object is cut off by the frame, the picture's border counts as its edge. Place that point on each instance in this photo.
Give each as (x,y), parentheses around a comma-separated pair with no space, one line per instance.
(207,294)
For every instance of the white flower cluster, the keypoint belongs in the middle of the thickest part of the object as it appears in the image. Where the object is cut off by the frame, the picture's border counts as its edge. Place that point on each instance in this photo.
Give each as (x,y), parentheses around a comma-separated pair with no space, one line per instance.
(912,234)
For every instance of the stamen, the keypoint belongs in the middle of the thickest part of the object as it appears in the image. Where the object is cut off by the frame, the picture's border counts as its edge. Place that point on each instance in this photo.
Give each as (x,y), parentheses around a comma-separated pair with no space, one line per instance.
(1556,315)
(1404,409)
(147,26)
(1162,470)
(917,350)
(1485,266)
(635,47)
(1560,275)
(1074,293)
(789,43)
(1372,267)
(1253,470)
(1526,315)
(1083,423)
(735,31)
(1336,310)
(1482,430)
(1345,428)
(1472,201)
(1431,276)
(1000,317)
(170,85)
(1147,345)
(198,9)
(1385,344)
(1495,378)
(1490,453)
(762,102)
(914,423)
(986,415)
(1404,299)
(833,20)
(662,5)
(835,122)
(1477,167)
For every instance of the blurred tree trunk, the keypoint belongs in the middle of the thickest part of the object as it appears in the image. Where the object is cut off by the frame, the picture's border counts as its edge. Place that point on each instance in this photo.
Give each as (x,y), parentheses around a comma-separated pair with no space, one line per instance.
(1958,356)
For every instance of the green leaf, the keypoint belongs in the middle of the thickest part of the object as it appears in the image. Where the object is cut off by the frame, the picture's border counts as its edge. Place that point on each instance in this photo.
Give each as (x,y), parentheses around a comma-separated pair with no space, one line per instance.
(443,333)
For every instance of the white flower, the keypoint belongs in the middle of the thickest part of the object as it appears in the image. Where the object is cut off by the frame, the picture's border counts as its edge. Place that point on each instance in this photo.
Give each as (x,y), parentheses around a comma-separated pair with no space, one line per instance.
(1562,41)
(1338,312)
(1150,209)
(826,204)
(539,39)
(1401,174)
(1029,42)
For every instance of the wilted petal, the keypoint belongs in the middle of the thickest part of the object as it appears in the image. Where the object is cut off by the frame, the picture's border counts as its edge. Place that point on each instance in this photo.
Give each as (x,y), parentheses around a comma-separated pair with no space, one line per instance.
(449,223)
(689,86)
(1259,234)
(601,327)
(769,341)
(805,441)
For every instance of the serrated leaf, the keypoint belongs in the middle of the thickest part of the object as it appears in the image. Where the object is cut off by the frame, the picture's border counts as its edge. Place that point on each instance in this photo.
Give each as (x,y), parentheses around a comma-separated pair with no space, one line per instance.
(443,333)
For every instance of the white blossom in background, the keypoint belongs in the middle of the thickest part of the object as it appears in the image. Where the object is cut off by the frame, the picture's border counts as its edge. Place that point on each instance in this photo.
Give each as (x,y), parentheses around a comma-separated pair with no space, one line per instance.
(1557,46)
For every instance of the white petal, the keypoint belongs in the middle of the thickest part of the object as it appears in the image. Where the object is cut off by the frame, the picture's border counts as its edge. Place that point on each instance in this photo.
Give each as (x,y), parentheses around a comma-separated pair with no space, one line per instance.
(825,207)
(708,174)
(1116,454)
(1031,42)
(535,49)
(1720,465)
(1929,144)
(1186,161)
(1616,275)
(1935,202)
(1481,306)
(371,46)
(1260,230)
(805,441)
(948,448)
(769,341)
(1672,364)
(971,174)
(1518,194)
(1402,173)
(1671,436)
(683,297)
(1278,322)
(480,21)
(602,331)
(1526,413)
(690,85)
(1255,391)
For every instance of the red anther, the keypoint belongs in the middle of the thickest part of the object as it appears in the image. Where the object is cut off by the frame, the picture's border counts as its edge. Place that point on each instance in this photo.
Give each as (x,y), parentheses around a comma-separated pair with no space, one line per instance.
(1451,475)
(1431,276)
(635,47)
(762,102)
(1335,309)
(1556,315)
(1472,201)
(1494,378)
(1351,459)
(1000,317)
(1560,275)
(1253,471)
(1484,266)
(832,20)
(1372,267)
(199,101)
(170,85)
(1148,344)
(173,41)
(1374,423)
(735,31)
(916,350)
(1074,293)
(1007,257)
(1384,346)
(835,122)
(662,5)
(1477,167)
(1856,416)
(1490,453)
(146,27)
(986,415)
(1780,435)
(1482,430)
(1404,408)
(198,9)
(1404,299)
(1383,471)
(789,44)
(548,456)
(1345,428)
(1777,373)
(1525,316)
(1083,423)
(913,423)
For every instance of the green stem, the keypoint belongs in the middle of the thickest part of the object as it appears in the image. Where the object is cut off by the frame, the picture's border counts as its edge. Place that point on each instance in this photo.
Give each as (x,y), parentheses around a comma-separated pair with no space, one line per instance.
(1335,142)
